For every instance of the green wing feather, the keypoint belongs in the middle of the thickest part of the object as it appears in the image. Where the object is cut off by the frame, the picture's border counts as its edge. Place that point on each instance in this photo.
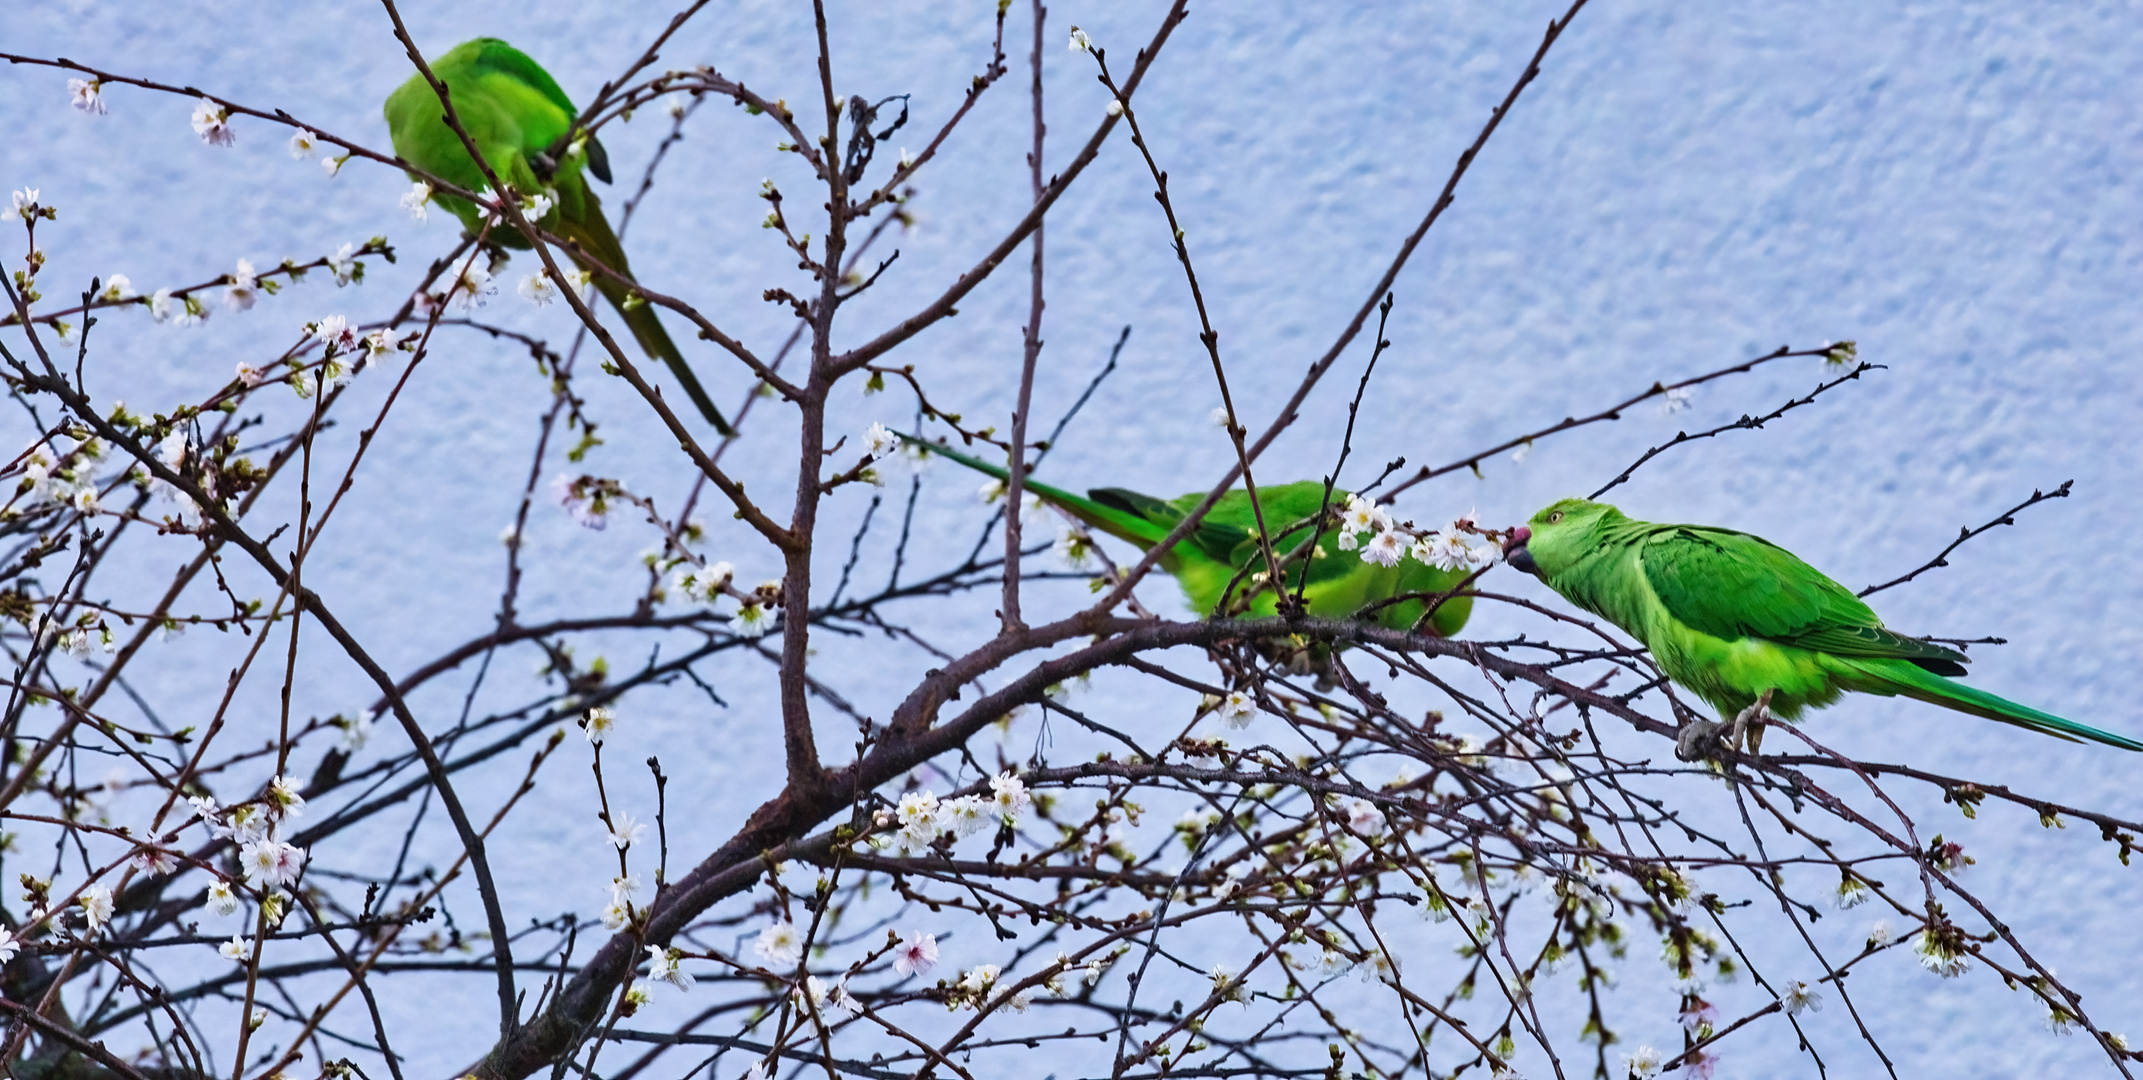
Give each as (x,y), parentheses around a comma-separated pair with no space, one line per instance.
(1888,677)
(1732,585)
(1112,511)
(1213,538)
(492,54)
(513,110)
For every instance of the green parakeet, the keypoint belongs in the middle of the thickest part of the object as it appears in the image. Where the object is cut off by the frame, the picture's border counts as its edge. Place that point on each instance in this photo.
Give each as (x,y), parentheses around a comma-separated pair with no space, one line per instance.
(1744,624)
(516,114)
(1340,583)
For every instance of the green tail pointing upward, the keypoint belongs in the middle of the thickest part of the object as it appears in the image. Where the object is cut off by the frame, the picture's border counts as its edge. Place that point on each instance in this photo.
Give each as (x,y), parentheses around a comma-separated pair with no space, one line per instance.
(1213,562)
(514,111)
(1733,617)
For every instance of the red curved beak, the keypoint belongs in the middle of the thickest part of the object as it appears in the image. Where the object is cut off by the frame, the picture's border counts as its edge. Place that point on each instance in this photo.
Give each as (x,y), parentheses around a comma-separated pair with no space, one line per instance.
(1517,555)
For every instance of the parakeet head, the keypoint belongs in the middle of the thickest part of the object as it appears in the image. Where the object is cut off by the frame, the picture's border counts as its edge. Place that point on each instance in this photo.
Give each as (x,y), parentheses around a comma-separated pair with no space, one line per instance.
(1560,534)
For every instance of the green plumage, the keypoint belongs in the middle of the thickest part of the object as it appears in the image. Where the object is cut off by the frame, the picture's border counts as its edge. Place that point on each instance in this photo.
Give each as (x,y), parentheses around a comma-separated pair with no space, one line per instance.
(1730,616)
(1217,553)
(516,114)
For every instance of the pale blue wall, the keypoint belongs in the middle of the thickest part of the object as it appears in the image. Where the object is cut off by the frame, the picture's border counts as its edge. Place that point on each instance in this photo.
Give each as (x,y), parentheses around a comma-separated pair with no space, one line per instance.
(1686,185)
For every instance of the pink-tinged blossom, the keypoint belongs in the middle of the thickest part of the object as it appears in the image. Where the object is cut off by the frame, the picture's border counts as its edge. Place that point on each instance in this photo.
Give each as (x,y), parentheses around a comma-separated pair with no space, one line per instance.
(1386,549)
(212,123)
(156,861)
(1364,818)
(267,863)
(337,334)
(1698,1014)
(917,955)
(584,497)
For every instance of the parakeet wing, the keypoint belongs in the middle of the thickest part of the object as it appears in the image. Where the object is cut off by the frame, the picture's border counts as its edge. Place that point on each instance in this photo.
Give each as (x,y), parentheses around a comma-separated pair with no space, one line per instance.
(1732,585)
(495,55)
(1214,539)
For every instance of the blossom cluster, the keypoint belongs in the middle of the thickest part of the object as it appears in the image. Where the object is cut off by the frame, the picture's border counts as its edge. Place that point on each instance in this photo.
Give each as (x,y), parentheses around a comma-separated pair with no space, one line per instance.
(985,984)
(344,352)
(61,475)
(1448,548)
(923,817)
(618,913)
(265,859)
(92,903)
(755,609)
(540,289)
(173,450)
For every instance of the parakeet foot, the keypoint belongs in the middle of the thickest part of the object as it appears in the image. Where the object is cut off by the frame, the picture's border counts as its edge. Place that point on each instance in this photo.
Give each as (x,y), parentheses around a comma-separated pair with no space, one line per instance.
(1690,744)
(1695,741)
(1751,724)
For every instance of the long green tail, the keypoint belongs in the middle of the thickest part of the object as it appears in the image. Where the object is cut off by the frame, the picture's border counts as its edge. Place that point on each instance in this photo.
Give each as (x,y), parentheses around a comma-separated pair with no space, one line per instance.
(1902,677)
(1108,519)
(593,232)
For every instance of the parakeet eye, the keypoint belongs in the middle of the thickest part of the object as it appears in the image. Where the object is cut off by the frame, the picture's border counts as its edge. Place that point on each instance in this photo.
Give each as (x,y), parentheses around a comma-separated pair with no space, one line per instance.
(1555,517)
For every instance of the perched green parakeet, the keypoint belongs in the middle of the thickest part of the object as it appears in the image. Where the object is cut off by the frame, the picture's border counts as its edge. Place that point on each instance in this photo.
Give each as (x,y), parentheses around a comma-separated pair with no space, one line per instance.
(1211,556)
(516,114)
(1743,623)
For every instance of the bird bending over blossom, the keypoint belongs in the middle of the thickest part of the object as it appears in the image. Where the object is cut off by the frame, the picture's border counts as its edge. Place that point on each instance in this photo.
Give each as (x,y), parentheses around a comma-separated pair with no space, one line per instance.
(1214,563)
